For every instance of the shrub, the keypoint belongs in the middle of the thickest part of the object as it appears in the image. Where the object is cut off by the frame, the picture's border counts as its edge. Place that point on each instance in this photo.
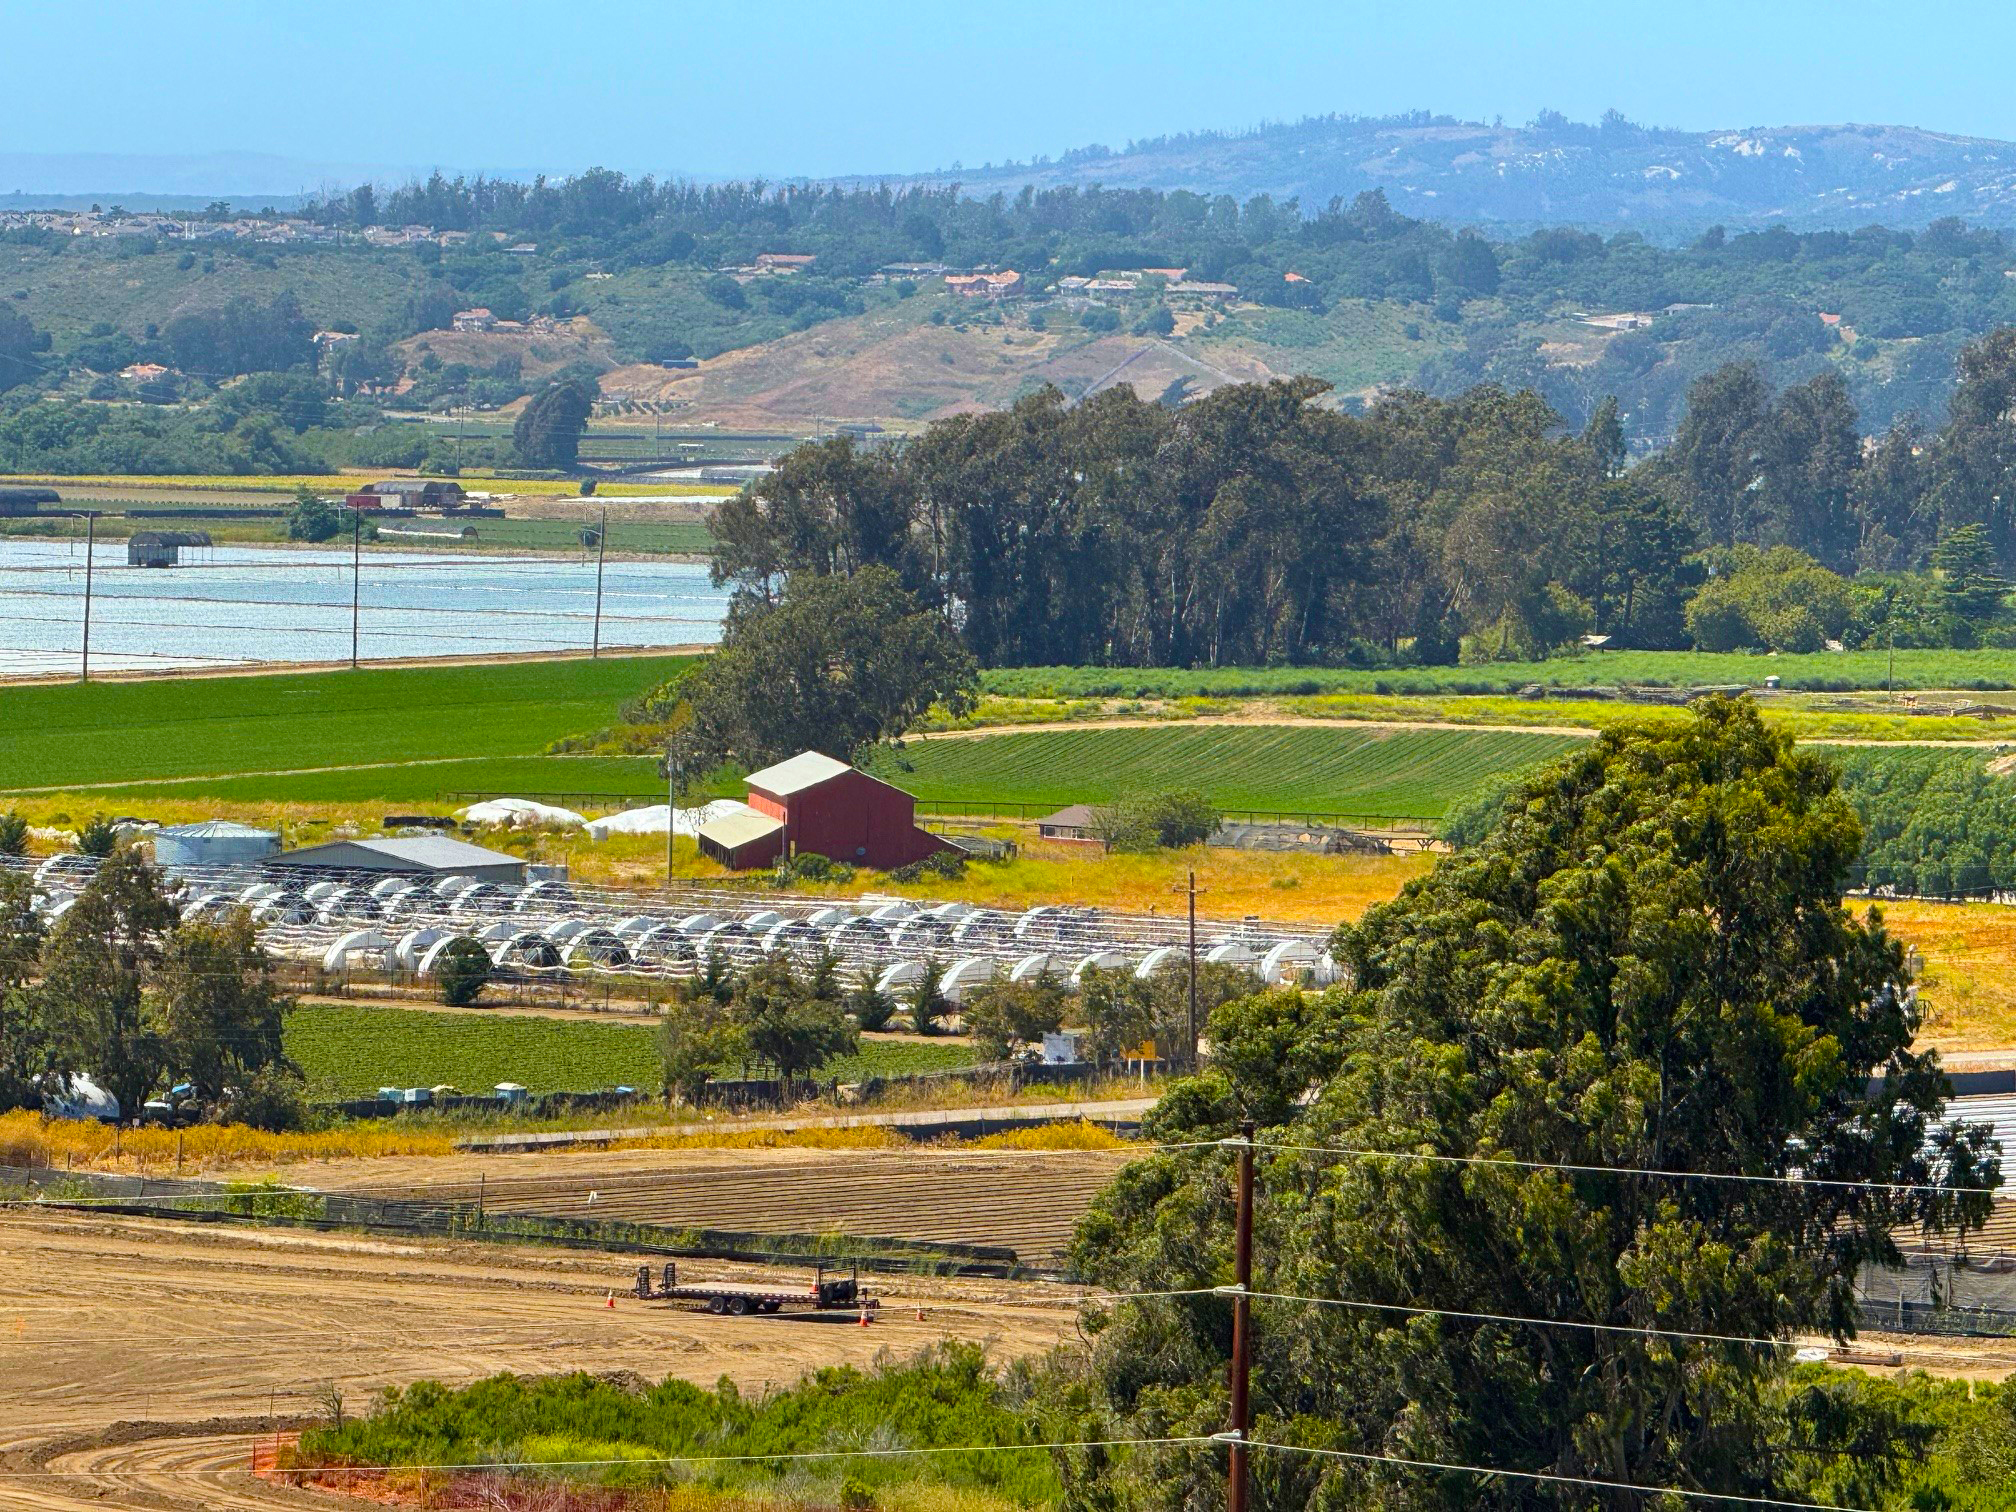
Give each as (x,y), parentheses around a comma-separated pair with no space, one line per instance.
(947,864)
(463,971)
(274,1100)
(98,838)
(810,866)
(1148,821)
(928,1003)
(13,834)
(872,1008)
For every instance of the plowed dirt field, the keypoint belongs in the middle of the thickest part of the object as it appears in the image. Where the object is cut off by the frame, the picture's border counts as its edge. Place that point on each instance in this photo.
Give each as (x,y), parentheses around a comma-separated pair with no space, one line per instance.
(140,1361)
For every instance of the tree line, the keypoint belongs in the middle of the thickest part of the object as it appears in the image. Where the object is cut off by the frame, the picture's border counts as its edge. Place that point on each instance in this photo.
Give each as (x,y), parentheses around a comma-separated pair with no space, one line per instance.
(1257,525)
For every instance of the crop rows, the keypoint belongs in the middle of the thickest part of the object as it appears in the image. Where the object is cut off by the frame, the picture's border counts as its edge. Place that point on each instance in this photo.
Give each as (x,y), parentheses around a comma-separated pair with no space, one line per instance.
(1820,671)
(1348,770)
(1028,1206)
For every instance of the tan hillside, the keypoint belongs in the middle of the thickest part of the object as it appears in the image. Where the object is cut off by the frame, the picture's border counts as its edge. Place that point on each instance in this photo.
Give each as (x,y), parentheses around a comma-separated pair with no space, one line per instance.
(893,367)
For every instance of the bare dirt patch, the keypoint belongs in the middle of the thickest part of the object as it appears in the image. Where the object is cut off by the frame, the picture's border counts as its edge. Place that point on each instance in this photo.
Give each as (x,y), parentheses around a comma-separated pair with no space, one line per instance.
(106,1322)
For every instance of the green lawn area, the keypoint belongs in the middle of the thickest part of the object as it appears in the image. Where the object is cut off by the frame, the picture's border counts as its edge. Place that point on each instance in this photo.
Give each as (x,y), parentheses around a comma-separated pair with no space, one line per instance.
(1819,672)
(1383,772)
(56,736)
(350,1050)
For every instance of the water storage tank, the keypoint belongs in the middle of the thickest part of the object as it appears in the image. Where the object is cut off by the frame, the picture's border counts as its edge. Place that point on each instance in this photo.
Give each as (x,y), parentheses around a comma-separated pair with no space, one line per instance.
(215,842)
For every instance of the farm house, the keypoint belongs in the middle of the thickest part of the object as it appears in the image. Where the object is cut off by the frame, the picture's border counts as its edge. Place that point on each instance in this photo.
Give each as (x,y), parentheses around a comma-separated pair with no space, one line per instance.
(814,804)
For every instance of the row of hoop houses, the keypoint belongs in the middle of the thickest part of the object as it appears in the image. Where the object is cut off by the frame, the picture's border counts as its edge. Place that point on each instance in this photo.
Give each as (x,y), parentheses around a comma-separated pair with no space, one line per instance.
(400,925)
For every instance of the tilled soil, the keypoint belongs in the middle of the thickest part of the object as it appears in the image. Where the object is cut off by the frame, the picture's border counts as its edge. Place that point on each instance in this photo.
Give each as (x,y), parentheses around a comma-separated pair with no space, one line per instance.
(141,1360)
(1027,1201)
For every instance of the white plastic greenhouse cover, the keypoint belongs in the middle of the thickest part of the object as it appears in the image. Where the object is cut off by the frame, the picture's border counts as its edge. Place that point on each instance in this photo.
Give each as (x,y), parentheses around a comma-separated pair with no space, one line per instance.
(651,821)
(519,813)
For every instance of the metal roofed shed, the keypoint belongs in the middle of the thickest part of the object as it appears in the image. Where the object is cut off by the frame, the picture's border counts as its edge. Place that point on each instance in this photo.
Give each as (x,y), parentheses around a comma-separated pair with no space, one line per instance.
(214,842)
(437,855)
(18,503)
(162,548)
(741,841)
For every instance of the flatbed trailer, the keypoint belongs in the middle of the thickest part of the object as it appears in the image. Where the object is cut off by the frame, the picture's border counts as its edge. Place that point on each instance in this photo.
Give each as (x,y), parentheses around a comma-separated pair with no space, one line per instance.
(825,1294)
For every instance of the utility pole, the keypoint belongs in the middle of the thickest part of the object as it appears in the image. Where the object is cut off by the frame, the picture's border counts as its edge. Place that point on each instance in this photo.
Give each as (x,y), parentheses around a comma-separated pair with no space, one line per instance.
(356,579)
(90,540)
(1192,889)
(601,550)
(1242,1325)
(671,810)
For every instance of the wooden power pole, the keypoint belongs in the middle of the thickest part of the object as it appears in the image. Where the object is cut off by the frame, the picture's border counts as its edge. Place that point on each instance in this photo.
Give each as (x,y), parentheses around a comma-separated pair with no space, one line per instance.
(1242,1326)
(1191,1055)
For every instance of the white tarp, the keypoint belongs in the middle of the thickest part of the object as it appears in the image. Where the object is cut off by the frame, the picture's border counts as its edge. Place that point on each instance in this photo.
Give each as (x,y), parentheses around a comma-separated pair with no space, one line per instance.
(651,821)
(76,1096)
(520,813)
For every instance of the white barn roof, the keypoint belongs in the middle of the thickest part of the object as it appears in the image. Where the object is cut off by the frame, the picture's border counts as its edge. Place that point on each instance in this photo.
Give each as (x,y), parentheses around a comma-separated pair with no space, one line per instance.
(805,770)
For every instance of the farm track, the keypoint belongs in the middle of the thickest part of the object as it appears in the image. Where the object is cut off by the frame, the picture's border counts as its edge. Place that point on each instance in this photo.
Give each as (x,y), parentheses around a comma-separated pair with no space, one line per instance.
(140,1357)
(1028,1205)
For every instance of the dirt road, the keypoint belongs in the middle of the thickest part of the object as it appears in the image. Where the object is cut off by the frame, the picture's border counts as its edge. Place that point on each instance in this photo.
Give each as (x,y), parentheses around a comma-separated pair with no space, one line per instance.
(199,1337)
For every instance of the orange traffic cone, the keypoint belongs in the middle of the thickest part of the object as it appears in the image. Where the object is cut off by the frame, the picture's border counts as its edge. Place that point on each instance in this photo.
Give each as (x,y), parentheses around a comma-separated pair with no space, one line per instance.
(612,1299)
(864,1317)
(920,1315)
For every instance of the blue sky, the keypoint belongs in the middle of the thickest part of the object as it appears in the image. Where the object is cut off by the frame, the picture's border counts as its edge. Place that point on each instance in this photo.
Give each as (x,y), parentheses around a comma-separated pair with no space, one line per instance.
(812,89)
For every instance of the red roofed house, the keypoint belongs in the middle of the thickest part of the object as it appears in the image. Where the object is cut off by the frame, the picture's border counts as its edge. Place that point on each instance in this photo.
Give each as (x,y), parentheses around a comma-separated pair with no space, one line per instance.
(814,804)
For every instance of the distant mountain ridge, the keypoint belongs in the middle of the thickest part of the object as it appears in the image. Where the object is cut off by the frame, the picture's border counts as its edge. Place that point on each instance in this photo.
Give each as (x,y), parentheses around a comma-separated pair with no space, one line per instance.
(1556,171)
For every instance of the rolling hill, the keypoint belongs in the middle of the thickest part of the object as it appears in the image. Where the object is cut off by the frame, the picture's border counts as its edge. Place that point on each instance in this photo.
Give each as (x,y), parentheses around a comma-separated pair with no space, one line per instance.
(1556,171)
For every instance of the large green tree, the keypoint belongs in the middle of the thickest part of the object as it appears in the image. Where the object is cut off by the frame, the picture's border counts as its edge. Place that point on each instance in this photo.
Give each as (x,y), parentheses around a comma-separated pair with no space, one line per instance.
(221,1014)
(549,429)
(1645,967)
(24,1048)
(95,964)
(836,664)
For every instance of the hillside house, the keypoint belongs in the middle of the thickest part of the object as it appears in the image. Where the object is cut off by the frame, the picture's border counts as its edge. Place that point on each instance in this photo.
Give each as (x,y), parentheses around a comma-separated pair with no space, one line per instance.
(783,262)
(1002,285)
(478,319)
(813,804)
(1199,291)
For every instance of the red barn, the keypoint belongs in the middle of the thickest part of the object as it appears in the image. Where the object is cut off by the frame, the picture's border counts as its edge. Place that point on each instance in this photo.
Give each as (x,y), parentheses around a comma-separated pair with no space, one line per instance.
(815,804)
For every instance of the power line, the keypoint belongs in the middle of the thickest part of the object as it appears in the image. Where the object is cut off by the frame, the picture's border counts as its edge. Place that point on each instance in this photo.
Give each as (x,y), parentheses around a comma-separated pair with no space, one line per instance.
(1727,1498)
(1572,1168)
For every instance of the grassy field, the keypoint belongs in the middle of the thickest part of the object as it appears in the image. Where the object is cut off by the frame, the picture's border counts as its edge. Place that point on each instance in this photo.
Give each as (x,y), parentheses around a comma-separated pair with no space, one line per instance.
(1825,671)
(350,1050)
(225,488)
(1413,773)
(54,736)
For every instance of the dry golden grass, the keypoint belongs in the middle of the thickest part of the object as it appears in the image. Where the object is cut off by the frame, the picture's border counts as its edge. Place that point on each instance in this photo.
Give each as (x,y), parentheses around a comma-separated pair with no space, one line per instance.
(730,1138)
(1058,1136)
(1967,972)
(29,1139)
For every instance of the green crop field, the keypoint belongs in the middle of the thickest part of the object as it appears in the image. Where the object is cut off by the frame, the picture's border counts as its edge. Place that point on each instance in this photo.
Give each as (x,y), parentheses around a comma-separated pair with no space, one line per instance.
(127,732)
(1819,672)
(573,780)
(347,1050)
(1400,773)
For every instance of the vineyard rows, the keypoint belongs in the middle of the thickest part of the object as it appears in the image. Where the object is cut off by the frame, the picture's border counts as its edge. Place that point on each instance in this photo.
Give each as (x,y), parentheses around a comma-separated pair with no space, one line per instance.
(1312,770)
